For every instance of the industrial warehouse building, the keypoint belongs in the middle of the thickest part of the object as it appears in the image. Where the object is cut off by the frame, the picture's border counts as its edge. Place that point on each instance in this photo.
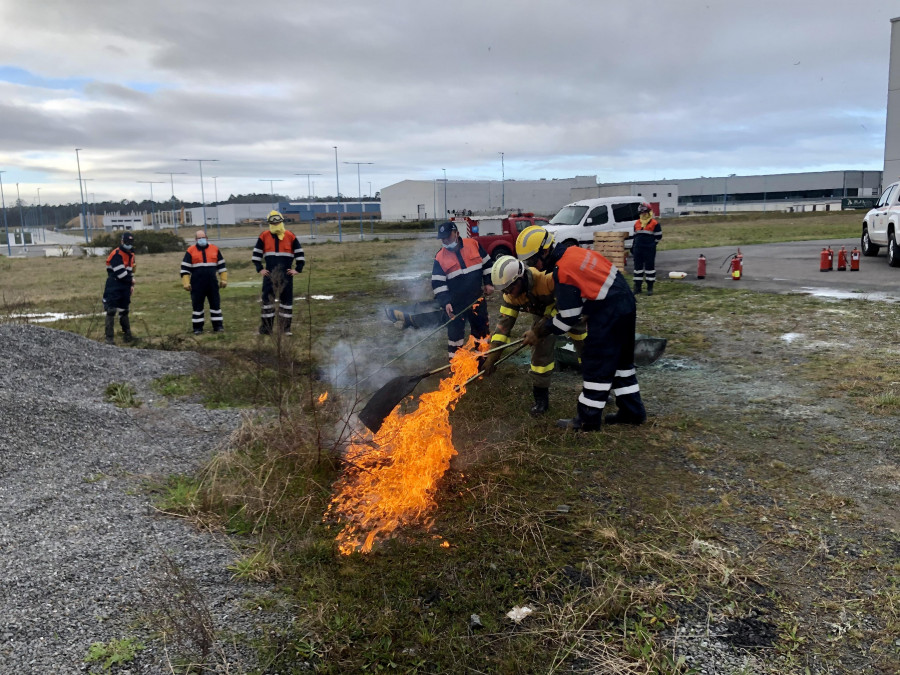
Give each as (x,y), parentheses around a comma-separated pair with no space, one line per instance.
(810,191)
(233,214)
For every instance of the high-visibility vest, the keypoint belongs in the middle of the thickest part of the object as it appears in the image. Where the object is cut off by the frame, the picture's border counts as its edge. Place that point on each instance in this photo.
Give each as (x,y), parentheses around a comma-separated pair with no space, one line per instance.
(449,261)
(278,252)
(203,263)
(588,271)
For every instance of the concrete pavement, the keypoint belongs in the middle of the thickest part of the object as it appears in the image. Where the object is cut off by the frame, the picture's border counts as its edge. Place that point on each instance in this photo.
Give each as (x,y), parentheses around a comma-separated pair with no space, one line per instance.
(791,267)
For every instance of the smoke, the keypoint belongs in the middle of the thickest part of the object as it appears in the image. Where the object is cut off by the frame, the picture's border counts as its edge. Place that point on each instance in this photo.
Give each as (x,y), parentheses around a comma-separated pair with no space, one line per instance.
(374,348)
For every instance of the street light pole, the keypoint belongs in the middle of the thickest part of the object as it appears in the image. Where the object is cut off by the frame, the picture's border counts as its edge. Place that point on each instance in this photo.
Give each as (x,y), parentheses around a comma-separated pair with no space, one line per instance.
(87,201)
(359,192)
(40,211)
(216,197)
(309,199)
(446,213)
(81,188)
(151,183)
(725,201)
(308,188)
(271,182)
(171,175)
(5,221)
(21,219)
(202,193)
(502,185)
(337,182)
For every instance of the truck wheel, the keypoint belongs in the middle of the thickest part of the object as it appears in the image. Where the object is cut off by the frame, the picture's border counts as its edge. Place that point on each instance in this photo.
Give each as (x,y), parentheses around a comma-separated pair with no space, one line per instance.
(893,253)
(499,252)
(868,248)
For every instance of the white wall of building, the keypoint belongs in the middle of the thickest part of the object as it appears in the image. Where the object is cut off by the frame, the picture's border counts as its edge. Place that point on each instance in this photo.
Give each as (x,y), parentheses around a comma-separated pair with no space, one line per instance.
(130,221)
(227,214)
(420,199)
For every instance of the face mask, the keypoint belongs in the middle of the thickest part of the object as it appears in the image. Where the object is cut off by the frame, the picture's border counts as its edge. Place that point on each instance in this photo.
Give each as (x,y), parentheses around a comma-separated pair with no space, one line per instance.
(450,246)
(202,241)
(127,247)
(645,217)
(277,229)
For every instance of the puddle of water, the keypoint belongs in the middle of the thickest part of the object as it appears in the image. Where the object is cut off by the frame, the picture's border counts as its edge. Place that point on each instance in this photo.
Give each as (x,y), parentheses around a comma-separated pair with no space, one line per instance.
(675,364)
(401,277)
(790,337)
(49,317)
(835,294)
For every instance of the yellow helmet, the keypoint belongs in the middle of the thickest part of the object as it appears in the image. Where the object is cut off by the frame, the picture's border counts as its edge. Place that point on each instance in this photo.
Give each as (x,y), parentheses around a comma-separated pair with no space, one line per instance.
(532,241)
(505,271)
(275,218)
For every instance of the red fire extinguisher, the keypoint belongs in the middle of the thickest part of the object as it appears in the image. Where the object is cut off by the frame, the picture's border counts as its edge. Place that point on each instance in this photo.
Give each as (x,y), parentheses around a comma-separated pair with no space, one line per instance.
(824,261)
(701,267)
(736,266)
(842,260)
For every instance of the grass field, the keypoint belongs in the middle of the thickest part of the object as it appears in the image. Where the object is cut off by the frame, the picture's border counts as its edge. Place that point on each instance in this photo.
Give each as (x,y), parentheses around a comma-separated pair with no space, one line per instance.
(712,513)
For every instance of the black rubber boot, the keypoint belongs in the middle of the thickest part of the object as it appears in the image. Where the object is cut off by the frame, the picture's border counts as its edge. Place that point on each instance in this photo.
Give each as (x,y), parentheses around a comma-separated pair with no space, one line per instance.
(622,418)
(576,424)
(637,287)
(650,288)
(541,401)
(110,329)
(125,322)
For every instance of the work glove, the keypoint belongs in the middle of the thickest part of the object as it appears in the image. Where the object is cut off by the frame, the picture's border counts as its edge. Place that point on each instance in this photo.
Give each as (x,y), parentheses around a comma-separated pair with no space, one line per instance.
(490,363)
(223,279)
(186,281)
(530,338)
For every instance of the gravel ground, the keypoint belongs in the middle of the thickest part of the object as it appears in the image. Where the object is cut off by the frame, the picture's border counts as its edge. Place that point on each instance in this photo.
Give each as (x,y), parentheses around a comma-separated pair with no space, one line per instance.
(78,537)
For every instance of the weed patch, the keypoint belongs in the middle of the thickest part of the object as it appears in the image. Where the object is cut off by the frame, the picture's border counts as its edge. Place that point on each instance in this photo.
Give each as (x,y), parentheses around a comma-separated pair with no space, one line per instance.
(113,653)
(122,395)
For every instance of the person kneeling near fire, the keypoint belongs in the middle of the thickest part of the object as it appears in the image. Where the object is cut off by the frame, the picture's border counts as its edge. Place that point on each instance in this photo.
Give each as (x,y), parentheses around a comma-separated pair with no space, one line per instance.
(531,291)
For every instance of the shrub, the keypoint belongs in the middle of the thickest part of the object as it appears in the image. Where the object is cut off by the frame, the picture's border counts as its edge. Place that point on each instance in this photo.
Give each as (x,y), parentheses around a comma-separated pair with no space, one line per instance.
(145,241)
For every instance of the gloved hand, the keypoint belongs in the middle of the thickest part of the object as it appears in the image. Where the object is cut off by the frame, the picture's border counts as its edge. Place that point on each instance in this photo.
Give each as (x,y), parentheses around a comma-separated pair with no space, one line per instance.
(223,279)
(490,363)
(186,281)
(530,338)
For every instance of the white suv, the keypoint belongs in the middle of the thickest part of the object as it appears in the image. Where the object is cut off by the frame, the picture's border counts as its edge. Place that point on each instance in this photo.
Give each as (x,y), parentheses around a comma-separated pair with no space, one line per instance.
(881,226)
(579,220)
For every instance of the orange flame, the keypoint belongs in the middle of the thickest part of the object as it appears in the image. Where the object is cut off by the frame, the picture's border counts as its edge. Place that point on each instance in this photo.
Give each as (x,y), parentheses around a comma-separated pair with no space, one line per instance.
(323,397)
(391,481)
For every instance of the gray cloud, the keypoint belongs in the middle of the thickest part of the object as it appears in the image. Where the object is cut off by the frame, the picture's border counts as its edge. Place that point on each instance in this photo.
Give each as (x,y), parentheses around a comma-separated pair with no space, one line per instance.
(626,91)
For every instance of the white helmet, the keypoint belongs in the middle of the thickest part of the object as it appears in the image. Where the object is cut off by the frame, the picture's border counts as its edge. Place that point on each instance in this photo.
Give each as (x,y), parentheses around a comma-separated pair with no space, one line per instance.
(505,271)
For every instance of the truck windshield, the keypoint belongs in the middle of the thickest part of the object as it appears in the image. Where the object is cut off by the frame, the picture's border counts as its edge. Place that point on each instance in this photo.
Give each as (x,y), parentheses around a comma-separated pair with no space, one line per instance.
(569,215)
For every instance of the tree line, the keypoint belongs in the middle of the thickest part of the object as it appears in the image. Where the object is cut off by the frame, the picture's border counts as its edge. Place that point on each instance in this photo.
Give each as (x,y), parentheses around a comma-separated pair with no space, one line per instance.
(56,216)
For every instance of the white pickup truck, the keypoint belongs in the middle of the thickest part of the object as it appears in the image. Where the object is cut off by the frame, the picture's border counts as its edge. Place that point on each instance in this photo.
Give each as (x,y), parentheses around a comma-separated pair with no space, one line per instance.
(881,226)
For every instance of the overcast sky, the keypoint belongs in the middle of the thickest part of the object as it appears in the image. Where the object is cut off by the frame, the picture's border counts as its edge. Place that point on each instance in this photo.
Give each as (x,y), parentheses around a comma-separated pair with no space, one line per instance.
(638,90)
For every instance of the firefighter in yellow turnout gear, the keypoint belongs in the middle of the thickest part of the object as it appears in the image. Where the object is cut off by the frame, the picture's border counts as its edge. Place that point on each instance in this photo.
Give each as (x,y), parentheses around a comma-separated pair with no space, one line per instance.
(528,290)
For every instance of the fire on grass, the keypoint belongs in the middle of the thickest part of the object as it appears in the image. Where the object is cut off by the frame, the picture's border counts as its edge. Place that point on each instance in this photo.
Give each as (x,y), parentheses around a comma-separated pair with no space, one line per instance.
(390,480)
